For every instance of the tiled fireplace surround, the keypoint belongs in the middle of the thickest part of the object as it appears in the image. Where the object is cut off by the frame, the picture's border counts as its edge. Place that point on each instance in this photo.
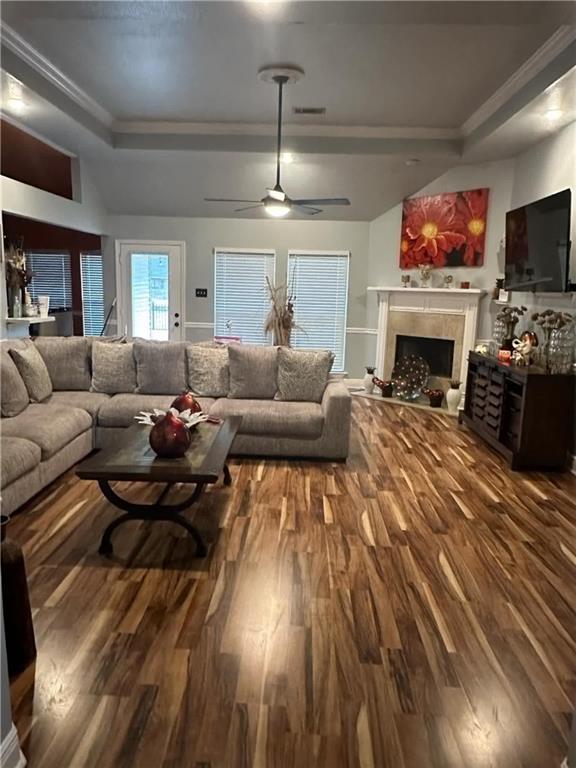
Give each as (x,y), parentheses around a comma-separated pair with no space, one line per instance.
(427,312)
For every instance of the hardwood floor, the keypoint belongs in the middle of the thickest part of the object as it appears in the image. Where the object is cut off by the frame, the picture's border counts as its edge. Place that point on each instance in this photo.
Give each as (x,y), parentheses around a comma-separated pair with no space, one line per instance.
(414,607)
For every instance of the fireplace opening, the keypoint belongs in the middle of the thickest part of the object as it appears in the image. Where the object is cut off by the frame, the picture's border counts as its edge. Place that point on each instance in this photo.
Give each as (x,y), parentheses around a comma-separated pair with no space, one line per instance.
(438,353)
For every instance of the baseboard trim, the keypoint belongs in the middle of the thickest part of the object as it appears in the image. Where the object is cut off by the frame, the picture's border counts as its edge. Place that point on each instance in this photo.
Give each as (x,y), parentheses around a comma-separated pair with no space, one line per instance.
(10,753)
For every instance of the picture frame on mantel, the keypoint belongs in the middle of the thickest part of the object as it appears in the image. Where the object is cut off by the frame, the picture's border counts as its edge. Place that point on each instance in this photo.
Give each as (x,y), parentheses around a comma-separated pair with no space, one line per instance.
(446,230)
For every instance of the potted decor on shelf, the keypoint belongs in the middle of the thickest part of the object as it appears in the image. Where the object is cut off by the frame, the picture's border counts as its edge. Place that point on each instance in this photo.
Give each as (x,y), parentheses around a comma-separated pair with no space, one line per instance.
(436,396)
(18,277)
(505,325)
(453,395)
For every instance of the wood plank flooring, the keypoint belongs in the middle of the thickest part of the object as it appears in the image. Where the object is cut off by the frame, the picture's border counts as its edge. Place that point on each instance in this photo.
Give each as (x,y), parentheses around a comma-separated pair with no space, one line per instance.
(412,608)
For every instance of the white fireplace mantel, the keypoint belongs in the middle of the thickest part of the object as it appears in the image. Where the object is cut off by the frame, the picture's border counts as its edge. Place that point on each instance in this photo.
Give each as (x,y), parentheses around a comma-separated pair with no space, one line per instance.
(439,301)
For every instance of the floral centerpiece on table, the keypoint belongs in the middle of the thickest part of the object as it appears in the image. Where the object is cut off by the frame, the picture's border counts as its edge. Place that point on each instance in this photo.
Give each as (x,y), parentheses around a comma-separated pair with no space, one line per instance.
(170,435)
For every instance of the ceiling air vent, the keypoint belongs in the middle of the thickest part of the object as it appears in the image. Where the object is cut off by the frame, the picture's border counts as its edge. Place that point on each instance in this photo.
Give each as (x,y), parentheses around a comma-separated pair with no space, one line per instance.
(309,110)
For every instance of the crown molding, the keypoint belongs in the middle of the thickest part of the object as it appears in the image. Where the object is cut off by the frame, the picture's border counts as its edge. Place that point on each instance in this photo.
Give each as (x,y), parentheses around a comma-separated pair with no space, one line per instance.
(288,129)
(545,55)
(27,53)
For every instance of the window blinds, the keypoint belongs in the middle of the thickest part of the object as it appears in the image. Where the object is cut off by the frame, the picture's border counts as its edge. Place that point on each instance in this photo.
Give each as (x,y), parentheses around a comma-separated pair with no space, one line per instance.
(51,277)
(319,283)
(241,301)
(92,293)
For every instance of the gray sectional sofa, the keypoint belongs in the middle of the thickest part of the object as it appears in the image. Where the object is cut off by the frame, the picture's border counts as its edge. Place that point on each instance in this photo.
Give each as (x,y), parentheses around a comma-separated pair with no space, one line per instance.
(67,419)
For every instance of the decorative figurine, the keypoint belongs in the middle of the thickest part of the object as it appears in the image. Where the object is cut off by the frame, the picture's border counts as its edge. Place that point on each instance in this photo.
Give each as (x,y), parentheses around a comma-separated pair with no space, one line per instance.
(405,279)
(425,273)
(387,387)
(448,280)
(524,348)
(368,380)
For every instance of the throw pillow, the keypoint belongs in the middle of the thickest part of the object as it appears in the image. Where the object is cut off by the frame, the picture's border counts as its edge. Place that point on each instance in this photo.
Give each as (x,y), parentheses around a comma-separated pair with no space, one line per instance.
(303,375)
(253,371)
(15,397)
(113,368)
(208,370)
(33,370)
(67,360)
(160,367)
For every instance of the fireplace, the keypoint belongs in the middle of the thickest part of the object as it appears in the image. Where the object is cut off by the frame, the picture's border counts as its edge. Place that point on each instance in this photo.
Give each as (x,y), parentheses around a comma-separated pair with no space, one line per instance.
(438,353)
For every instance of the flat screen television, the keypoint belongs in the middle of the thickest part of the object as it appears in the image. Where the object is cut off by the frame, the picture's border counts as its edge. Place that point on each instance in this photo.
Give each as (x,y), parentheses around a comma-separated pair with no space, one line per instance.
(538,245)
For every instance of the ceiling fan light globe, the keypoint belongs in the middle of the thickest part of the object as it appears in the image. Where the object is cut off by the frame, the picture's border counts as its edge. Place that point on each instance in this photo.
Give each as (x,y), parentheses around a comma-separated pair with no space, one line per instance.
(276,209)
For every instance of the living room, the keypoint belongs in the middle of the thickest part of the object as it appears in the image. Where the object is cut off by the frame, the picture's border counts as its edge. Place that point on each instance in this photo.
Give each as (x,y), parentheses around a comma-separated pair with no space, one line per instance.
(290,239)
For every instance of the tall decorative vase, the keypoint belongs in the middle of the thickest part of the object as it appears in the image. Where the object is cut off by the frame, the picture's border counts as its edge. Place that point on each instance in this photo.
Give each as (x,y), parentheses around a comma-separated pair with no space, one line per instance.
(14,302)
(367,381)
(453,398)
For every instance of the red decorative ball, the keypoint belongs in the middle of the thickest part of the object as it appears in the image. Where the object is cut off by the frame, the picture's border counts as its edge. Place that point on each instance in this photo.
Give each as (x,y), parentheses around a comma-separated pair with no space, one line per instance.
(186,401)
(169,437)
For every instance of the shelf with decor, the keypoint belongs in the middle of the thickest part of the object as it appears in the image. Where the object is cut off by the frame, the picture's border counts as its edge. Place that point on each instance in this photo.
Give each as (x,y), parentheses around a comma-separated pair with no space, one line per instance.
(29,320)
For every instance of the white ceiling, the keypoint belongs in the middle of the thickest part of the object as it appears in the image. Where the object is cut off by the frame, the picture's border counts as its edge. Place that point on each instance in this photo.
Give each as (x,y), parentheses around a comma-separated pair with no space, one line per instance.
(162,102)
(382,65)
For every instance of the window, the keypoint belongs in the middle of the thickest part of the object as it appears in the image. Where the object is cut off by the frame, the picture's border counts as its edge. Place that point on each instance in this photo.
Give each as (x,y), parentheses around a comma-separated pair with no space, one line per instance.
(319,283)
(241,301)
(51,277)
(92,293)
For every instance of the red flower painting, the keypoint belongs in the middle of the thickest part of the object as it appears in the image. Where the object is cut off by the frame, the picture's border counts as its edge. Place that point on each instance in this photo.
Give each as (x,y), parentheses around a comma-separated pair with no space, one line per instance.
(444,230)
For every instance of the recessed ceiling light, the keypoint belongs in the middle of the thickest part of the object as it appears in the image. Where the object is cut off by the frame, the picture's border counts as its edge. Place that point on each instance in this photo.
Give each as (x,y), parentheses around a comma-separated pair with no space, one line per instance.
(15,102)
(287,158)
(553,115)
(412,161)
(16,106)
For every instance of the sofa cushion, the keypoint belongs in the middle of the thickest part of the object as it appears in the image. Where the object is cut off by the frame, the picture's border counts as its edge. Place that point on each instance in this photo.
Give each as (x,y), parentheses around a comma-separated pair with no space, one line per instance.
(120,410)
(67,360)
(33,370)
(88,401)
(252,371)
(272,417)
(160,367)
(15,397)
(113,368)
(18,457)
(302,374)
(51,427)
(208,370)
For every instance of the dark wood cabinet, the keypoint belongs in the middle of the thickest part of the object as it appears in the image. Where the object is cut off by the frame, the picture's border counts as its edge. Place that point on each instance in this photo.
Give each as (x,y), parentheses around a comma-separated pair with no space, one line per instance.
(523,412)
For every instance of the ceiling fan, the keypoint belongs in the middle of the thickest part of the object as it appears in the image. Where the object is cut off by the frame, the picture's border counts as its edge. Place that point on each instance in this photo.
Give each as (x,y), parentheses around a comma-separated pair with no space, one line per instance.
(276,202)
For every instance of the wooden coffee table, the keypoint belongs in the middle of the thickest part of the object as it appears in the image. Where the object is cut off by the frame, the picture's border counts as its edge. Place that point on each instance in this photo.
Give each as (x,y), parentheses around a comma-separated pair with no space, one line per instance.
(132,459)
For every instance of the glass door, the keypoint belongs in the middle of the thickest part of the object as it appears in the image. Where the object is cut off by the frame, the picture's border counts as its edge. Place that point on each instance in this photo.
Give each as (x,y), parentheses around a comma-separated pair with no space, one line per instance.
(150,289)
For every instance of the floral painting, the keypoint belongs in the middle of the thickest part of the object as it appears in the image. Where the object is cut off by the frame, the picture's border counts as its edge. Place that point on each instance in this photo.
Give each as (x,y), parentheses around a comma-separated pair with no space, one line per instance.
(444,230)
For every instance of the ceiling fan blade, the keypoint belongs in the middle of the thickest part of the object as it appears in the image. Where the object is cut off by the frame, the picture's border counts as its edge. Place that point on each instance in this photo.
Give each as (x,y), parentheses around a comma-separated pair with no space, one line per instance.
(227,200)
(307,209)
(323,201)
(248,207)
